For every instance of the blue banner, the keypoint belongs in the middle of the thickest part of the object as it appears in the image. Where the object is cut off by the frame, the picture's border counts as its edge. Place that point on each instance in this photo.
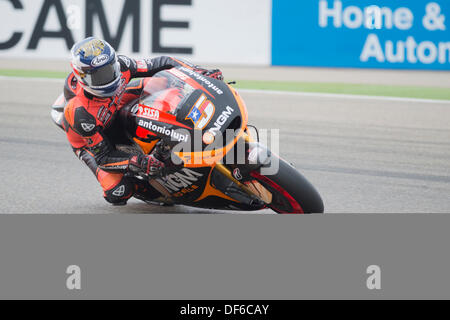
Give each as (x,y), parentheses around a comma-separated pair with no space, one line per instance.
(394,34)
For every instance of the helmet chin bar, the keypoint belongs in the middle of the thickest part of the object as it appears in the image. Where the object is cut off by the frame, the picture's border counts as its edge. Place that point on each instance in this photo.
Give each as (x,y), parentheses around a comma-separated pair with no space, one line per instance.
(98,93)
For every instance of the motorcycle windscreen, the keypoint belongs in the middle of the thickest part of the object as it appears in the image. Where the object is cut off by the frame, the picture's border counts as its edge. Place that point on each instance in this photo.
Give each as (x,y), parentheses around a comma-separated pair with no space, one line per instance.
(164,92)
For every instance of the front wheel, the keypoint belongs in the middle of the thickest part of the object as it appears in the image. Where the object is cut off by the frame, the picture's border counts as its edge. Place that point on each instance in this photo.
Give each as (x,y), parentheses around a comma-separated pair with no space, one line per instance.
(291,192)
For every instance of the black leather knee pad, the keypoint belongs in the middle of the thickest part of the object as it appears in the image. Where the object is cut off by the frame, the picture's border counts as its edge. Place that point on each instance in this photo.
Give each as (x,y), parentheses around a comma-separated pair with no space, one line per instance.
(120,193)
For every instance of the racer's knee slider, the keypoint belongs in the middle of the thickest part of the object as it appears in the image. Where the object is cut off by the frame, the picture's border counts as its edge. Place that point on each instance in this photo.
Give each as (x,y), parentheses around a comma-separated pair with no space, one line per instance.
(121,193)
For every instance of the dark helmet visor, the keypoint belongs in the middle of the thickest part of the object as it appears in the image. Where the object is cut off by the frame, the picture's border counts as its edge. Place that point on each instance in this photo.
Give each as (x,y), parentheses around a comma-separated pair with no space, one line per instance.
(103,75)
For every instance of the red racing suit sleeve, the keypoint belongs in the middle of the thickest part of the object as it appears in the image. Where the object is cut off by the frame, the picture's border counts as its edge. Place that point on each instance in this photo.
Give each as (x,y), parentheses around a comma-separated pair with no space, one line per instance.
(150,66)
(90,143)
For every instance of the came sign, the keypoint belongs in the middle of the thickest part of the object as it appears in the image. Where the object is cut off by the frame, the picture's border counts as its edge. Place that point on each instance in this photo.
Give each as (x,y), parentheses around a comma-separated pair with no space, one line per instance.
(140,28)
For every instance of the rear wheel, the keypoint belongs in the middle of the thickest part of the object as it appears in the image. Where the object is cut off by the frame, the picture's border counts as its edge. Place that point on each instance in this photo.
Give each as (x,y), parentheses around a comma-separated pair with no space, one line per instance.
(291,192)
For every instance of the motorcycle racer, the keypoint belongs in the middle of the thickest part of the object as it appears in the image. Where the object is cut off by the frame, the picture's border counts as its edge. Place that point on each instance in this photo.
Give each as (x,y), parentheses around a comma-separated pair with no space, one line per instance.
(96,90)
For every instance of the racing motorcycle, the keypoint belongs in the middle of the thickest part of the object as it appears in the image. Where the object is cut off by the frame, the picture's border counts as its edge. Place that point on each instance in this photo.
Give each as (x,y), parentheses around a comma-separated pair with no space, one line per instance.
(215,158)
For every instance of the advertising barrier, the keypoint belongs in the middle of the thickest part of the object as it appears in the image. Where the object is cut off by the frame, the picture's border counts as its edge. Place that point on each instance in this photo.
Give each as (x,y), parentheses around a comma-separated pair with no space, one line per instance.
(390,34)
(411,34)
(209,31)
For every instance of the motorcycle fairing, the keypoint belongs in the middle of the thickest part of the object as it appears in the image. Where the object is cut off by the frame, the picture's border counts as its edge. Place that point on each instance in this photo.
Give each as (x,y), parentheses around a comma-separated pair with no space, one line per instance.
(170,100)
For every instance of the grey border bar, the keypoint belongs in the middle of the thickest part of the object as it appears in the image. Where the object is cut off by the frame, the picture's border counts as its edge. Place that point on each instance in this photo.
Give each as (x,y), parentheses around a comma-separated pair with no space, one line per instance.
(224,256)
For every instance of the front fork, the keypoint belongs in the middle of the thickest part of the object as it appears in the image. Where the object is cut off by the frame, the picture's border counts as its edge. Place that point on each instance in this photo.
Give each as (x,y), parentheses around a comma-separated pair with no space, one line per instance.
(253,190)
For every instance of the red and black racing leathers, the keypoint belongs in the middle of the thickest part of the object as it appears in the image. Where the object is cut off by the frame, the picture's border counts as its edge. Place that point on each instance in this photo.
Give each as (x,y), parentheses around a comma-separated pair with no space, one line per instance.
(86,118)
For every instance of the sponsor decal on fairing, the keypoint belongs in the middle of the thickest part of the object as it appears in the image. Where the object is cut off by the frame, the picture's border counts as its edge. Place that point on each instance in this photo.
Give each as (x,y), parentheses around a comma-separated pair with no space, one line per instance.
(221,120)
(148,113)
(177,181)
(203,79)
(176,136)
(201,112)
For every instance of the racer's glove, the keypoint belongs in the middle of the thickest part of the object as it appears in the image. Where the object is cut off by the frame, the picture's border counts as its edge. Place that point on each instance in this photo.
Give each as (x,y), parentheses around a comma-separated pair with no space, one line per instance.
(146,164)
(215,73)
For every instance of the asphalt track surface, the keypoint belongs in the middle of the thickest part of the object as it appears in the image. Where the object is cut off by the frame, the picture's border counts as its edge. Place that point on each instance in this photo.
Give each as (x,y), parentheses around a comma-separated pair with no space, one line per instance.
(364,155)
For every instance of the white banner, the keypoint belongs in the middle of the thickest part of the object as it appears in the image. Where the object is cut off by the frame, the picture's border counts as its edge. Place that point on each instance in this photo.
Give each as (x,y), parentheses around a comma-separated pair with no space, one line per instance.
(203,31)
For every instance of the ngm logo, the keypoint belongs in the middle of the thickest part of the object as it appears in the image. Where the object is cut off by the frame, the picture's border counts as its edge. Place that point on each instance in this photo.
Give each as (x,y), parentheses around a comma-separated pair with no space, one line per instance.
(27,23)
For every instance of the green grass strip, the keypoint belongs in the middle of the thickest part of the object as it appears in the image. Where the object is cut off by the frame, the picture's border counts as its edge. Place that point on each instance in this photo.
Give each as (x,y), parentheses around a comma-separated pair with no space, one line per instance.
(346,88)
(312,87)
(33,74)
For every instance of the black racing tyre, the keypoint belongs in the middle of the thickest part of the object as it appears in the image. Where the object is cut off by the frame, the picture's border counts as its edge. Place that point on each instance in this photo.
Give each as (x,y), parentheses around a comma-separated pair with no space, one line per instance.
(291,192)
